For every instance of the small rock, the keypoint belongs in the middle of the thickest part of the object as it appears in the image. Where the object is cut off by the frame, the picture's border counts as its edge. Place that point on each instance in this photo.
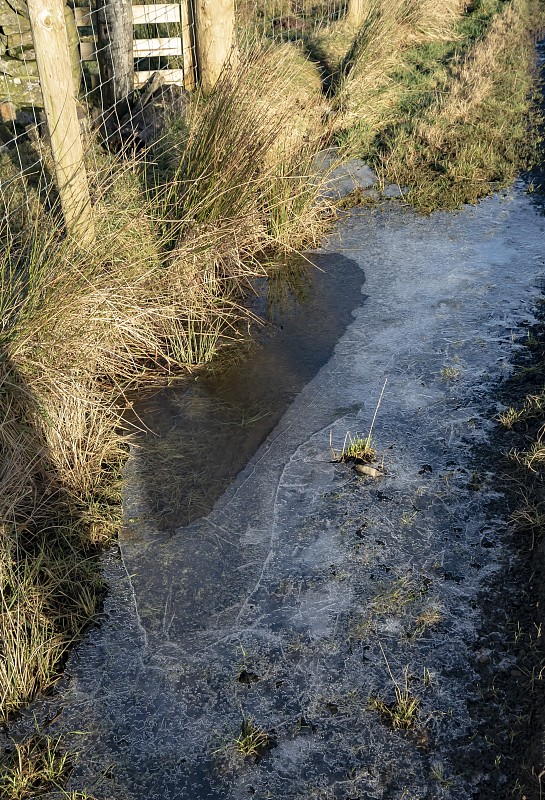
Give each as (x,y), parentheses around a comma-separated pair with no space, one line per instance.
(18,69)
(22,54)
(17,6)
(362,175)
(8,111)
(21,92)
(370,472)
(15,24)
(393,191)
(338,185)
(8,17)
(354,174)
(20,39)
(325,158)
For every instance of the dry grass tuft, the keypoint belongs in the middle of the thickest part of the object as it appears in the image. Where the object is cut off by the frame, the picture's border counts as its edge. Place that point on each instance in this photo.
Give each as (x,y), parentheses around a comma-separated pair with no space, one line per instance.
(402,712)
(33,768)
(252,740)
(38,767)
(367,91)
(475,134)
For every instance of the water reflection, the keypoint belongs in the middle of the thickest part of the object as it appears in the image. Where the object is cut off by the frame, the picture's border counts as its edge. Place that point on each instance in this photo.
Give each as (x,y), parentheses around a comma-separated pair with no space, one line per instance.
(203,432)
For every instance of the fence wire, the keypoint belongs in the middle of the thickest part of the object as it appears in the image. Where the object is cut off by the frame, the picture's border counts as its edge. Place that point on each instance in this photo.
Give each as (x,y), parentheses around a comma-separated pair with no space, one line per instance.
(162,64)
(22,166)
(286,20)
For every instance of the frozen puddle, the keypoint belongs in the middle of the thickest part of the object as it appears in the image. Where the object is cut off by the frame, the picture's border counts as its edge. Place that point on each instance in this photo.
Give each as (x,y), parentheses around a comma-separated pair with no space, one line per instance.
(308,590)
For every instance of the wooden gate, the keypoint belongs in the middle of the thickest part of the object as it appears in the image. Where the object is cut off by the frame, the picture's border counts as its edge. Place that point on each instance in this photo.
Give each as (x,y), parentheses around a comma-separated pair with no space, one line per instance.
(179,46)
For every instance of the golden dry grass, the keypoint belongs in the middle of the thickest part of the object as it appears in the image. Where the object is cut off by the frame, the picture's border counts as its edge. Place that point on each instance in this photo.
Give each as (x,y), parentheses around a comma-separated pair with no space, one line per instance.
(180,241)
(478,131)
(474,79)
(367,92)
(80,334)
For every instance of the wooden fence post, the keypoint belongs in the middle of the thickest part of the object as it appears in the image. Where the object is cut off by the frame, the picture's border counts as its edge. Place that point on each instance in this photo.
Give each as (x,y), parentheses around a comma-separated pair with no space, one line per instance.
(214,38)
(115,53)
(73,46)
(186,25)
(55,70)
(355,12)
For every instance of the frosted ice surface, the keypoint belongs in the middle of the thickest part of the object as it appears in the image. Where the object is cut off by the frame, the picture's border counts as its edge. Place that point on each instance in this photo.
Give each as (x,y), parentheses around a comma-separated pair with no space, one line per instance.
(302,571)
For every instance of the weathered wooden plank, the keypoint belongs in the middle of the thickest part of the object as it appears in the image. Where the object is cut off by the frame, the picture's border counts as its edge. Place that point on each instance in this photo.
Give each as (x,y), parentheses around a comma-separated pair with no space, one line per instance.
(148,48)
(114,51)
(73,47)
(52,55)
(146,14)
(356,11)
(83,17)
(88,51)
(168,76)
(143,48)
(150,14)
(188,49)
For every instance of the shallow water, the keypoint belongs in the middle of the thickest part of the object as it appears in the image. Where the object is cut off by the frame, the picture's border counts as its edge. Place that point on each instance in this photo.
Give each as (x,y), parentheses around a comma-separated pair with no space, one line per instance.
(201,434)
(306,591)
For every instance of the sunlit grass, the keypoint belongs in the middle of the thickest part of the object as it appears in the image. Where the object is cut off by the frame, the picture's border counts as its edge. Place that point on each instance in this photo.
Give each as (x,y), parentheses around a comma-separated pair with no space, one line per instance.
(357,448)
(34,767)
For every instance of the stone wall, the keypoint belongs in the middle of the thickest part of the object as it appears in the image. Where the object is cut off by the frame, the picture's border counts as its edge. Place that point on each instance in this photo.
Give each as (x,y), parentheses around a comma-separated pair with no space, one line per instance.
(19,84)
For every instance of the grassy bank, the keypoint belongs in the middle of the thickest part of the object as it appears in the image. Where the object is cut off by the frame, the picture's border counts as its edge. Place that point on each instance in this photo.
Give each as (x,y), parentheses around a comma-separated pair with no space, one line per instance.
(443,104)
(436,100)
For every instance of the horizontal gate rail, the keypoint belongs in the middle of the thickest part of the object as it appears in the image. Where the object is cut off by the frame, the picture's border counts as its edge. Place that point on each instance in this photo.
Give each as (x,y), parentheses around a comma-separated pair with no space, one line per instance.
(168,46)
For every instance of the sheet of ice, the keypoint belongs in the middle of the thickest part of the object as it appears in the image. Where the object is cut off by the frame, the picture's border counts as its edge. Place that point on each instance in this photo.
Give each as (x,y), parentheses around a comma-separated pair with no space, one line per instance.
(308,577)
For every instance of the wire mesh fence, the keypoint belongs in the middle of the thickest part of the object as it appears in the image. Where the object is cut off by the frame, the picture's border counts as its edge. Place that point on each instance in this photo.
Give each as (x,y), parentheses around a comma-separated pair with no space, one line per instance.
(120,56)
(21,162)
(125,65)
(286,20)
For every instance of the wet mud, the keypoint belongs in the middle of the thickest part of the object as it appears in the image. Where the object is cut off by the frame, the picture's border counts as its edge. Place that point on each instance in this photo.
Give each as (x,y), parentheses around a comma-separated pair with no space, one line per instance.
(321,634)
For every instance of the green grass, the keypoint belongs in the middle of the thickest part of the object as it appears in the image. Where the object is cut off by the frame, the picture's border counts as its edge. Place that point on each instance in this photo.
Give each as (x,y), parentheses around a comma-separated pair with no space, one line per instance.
(402,712)
(252,740)
(358,448)
(454,118)
(34,767)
